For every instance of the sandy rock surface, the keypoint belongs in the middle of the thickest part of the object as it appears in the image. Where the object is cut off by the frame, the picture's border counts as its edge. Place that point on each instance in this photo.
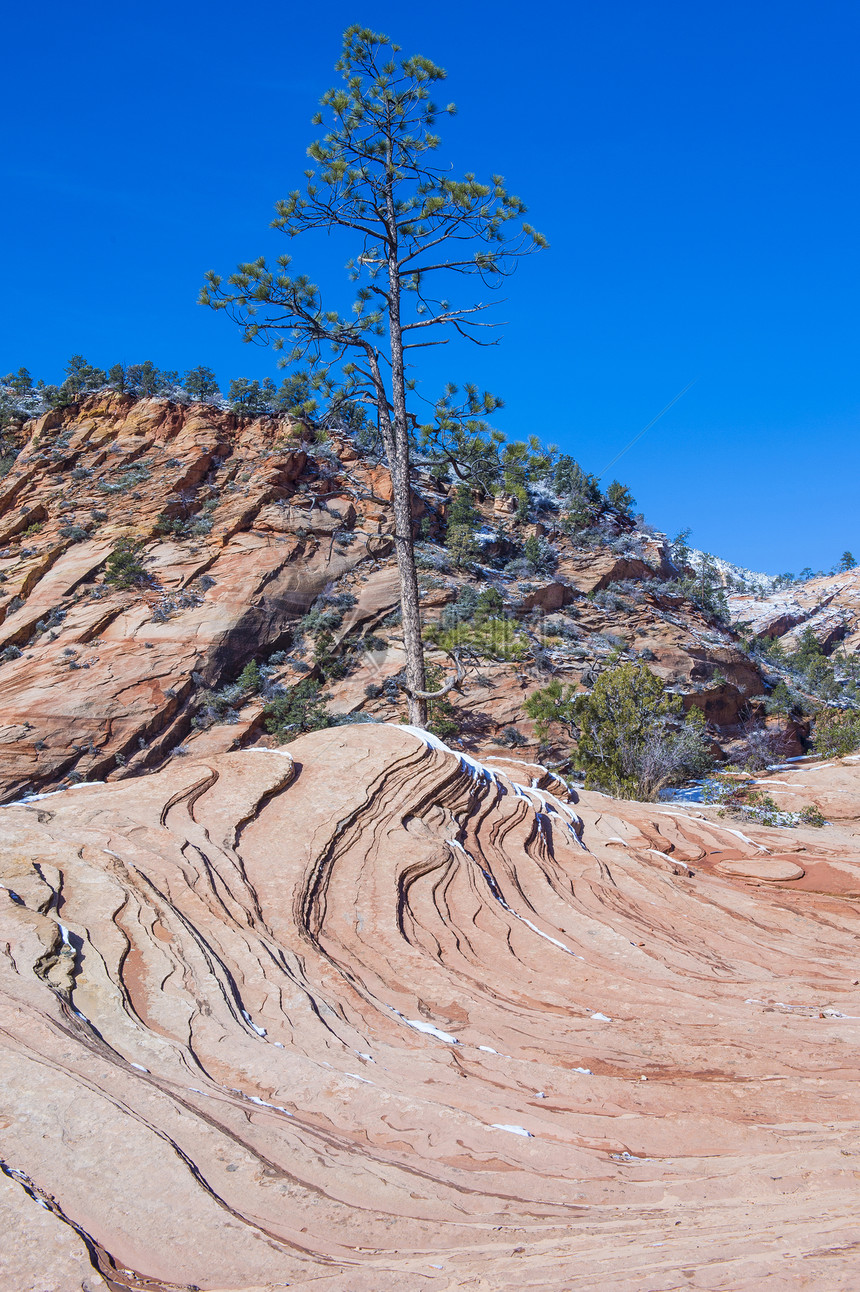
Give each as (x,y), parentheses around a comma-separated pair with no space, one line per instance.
(365,1016)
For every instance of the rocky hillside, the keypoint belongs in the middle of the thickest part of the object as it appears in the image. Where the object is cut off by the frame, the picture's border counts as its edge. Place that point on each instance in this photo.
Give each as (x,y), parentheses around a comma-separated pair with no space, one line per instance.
(149,551)
(367,1015)
(827,606)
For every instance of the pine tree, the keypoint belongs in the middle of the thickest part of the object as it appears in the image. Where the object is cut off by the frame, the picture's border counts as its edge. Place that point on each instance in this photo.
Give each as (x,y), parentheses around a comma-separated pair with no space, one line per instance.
(149,381)
(117,378)
(372,175)
(19,383)
(462,521)
(201,384)
(462,510)
(846,562)
(620,497)
(251,398)
(82,376)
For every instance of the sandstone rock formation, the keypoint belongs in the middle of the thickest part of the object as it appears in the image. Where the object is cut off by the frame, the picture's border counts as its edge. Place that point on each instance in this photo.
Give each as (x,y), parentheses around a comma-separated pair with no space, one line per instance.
(242,526)
(829,606)
(366,1015)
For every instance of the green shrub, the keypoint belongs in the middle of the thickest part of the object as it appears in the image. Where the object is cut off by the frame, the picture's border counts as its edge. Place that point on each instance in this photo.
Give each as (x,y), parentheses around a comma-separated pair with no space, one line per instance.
(462,546)
(296,711)
(620,497)
(250,680)
(552,703)
(441,715)
(837,732)
(811,814)
(124,567)
(633,739)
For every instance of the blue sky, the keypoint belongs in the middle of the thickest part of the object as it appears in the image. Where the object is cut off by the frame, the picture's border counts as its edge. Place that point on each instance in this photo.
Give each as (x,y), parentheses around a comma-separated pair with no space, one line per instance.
(693,166)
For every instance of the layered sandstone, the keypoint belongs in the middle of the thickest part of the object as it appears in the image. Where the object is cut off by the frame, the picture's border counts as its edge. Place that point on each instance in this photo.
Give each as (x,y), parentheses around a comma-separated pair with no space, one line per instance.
(366,1015)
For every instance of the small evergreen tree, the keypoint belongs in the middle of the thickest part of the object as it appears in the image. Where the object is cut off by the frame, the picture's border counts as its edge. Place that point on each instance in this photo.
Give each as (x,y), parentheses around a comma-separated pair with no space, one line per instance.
(552,703)
(251,398)
(462,546)
(680,550)
(117,378)
(489,604)
(294,397)
(441,714)
(18,398)
(201,384)
(462,522)
(837,732)
(81,377)
(620,497)
(462,510)
(18,383)
(124,567)
(846,562)
(250,680)
(148,381)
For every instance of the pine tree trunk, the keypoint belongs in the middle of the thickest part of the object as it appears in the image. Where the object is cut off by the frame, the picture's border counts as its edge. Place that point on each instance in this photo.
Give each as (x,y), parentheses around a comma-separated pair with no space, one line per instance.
(411,614)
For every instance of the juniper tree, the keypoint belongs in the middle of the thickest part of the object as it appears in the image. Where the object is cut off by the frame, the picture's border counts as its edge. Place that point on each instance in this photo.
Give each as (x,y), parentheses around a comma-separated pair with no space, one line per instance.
(373,176)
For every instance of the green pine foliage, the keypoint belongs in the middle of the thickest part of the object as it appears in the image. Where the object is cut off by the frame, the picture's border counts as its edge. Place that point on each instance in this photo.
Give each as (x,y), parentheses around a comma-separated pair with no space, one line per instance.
(462,521)
(490,637)
(441,714)
(552,703)
(462,510)
(462,546)
(620,498)
(148,381)
(250,680)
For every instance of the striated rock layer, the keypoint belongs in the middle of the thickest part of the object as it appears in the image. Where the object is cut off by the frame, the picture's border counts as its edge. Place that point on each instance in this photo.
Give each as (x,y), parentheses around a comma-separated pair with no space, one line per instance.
(370,1016)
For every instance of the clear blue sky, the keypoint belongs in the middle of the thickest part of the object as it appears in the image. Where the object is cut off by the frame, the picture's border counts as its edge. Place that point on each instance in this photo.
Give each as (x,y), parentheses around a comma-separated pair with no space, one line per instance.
(694,166)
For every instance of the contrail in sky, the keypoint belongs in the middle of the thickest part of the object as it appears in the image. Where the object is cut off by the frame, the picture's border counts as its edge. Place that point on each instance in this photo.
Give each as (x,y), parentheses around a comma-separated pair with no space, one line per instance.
(648,427)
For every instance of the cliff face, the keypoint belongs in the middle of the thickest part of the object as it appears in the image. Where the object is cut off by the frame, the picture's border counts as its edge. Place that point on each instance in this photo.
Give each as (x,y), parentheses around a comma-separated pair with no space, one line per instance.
(242,527)
(368,1015)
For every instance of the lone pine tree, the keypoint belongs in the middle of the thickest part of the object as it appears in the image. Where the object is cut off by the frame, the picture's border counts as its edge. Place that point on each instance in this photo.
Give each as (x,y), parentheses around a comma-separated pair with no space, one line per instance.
(373,177)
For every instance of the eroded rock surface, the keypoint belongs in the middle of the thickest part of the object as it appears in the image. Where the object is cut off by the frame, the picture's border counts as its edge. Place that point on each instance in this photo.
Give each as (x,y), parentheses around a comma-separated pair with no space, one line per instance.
(365,1016)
